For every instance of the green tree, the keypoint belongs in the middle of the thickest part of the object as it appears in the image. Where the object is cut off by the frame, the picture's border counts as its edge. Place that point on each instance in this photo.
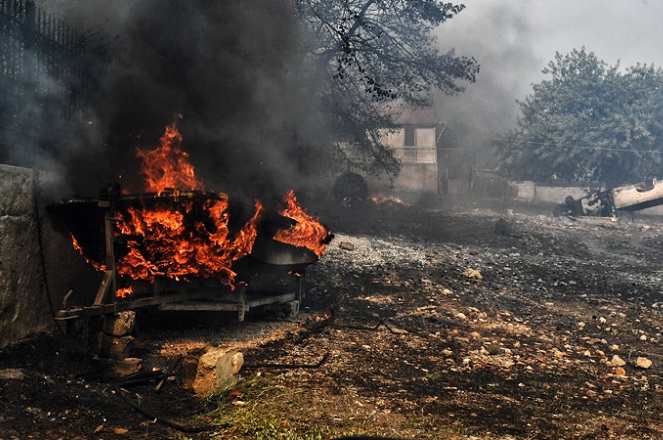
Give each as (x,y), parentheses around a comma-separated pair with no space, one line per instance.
(589,122)
(371,51)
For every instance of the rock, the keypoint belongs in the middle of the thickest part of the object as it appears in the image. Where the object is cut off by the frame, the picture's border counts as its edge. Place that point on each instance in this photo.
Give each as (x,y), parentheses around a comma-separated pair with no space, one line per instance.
(643,363)
(217,370)
(125,367)
(121,324)
(616,361)
(473,274)
(12,373)
(112,347)
(346,246)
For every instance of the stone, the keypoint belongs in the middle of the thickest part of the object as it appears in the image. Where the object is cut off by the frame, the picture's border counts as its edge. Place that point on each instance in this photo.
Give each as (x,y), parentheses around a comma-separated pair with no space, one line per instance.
(125,367)
(643,363)
(346,246)
(473,274)
(217,370)
(12,373)
(121,324)
(616,361)
(111,347)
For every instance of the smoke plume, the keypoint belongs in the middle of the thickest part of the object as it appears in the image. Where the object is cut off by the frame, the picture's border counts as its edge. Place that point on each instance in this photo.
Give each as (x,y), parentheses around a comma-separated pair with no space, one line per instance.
(229,73)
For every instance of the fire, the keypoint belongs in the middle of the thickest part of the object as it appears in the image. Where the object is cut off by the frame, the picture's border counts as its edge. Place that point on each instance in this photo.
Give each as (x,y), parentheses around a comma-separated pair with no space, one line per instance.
(96,265)
(168,167)
(124,292)
(307,232)
(381,199)
(189,235)
(175,241)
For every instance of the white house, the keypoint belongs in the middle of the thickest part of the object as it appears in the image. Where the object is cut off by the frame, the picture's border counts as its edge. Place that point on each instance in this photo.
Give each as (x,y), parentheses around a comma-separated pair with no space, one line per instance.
(414,144)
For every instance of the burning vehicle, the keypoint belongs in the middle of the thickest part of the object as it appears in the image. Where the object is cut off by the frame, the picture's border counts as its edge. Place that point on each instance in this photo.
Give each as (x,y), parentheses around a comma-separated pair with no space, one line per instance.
(607,203)
(180,247)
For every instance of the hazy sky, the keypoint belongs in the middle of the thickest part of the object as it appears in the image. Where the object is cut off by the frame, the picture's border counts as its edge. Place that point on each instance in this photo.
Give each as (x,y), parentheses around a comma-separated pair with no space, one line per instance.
(513,40)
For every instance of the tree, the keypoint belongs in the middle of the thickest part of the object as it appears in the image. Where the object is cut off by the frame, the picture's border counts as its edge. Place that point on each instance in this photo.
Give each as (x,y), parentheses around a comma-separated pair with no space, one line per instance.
(373,51)
(589,122)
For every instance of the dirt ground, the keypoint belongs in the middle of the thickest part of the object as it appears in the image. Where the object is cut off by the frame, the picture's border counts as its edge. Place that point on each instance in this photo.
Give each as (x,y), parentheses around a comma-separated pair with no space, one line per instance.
(418,322)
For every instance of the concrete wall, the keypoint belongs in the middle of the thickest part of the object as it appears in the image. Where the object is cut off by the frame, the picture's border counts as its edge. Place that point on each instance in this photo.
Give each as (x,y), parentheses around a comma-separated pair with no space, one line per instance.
(417,177)
(27,284)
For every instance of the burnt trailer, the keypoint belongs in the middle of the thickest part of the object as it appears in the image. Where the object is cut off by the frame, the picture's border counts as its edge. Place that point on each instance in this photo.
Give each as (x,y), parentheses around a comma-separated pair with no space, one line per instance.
(269,274)
(607,203)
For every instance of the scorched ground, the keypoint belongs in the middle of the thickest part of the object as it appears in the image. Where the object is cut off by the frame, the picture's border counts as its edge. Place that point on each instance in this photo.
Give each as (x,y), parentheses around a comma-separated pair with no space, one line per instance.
(417,323)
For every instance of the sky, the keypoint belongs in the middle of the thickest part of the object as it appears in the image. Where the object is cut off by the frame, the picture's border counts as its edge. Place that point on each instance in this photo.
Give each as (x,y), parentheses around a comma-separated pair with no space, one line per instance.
(513,40)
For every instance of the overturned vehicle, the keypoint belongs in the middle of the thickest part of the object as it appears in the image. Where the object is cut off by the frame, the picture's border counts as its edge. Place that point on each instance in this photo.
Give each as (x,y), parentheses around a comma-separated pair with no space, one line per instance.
(607,203)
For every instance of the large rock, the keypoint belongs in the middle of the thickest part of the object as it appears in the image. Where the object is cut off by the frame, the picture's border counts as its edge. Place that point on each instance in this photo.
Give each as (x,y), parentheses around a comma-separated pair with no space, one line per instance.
(217,370)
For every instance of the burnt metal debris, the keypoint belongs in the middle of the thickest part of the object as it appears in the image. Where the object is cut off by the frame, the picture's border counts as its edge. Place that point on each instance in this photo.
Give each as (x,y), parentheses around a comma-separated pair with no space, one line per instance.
(609,202)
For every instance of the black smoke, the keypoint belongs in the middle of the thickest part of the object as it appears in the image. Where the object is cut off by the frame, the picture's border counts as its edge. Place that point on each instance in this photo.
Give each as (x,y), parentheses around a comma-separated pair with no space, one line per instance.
(230,73)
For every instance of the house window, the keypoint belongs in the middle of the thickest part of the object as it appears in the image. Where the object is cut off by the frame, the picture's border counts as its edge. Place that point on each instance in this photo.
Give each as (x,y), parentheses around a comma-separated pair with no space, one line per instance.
(410,137)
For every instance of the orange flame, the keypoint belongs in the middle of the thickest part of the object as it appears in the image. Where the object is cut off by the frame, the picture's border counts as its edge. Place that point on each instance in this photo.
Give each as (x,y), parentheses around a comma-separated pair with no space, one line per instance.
(167,167)
(166,241)
(307,232)
(187,235)
(381,199)
(96,265)
(124,292)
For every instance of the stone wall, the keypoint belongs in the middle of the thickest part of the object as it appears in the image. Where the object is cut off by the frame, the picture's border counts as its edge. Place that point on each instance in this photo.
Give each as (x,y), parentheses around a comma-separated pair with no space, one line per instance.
(38,264)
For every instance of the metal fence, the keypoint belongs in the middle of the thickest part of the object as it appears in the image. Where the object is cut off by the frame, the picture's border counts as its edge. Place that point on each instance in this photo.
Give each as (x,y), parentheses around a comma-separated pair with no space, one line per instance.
(46,75)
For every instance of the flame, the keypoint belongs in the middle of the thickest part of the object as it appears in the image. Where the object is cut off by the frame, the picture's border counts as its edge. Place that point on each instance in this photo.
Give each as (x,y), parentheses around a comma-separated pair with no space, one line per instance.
(175,241)
(95,264)
(307,232)
(381,199)
(124,292)
(189,235)
(167,167)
